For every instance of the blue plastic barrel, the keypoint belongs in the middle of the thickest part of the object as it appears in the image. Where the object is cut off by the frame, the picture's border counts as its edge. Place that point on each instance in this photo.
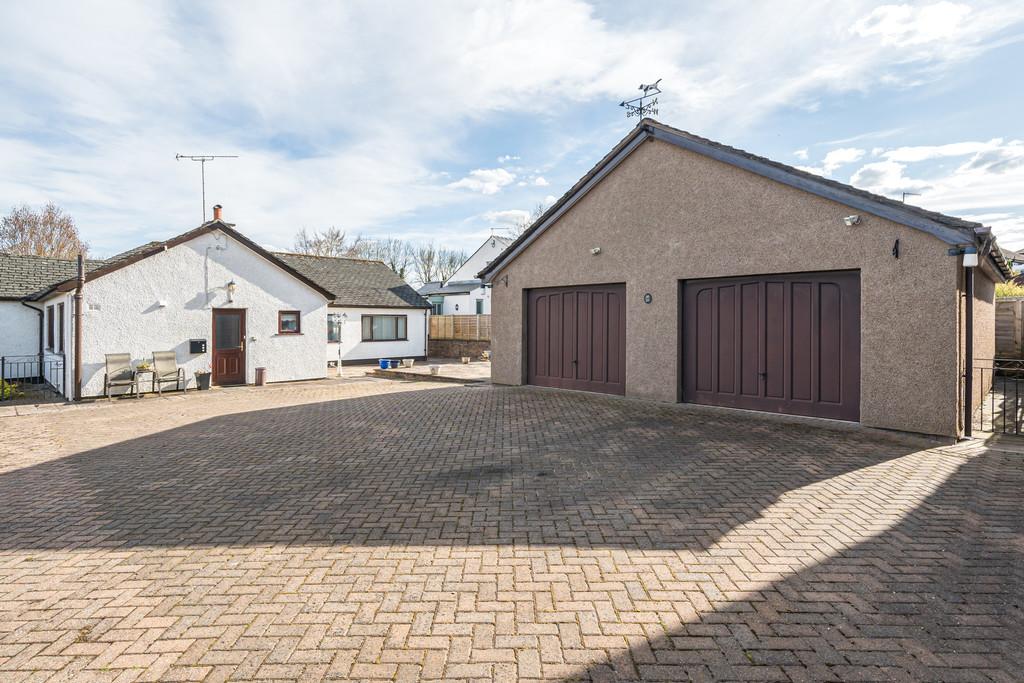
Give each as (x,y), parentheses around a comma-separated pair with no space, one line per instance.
(384,363)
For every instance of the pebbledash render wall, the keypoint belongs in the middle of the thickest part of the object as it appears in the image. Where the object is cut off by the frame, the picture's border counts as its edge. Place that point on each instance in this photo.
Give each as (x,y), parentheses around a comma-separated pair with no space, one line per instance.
(667,214)
(161,302)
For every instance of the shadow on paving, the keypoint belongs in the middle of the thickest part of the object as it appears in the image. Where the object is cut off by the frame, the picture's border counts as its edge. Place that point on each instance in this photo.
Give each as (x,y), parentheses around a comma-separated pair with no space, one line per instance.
(461,466)
(938,597)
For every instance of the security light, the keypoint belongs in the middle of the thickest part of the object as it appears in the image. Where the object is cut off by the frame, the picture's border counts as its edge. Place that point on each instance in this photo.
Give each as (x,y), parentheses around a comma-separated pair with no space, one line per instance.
(970,257)
(851,220)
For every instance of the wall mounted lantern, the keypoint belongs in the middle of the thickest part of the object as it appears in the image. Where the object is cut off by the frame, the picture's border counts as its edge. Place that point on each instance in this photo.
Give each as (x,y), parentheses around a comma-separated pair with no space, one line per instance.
(231,287)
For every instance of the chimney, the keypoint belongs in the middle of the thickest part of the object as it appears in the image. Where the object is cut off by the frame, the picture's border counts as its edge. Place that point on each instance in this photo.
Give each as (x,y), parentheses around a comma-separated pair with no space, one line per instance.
(216,211)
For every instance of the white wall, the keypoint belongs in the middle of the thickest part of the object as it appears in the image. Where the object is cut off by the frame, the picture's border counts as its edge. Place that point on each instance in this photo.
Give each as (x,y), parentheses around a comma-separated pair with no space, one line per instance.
(467,302)
(480,258)
(19,330)
(123,313)
(353,348)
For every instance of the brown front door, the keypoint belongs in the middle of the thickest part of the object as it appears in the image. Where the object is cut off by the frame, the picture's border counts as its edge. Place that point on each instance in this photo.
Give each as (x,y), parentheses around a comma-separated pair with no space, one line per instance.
(576,338)
(228,346)
(778,343)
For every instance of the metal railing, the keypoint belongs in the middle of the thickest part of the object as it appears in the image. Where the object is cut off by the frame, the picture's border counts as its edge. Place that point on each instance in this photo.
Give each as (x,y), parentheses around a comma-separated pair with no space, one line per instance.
(1000,384)
(29,376)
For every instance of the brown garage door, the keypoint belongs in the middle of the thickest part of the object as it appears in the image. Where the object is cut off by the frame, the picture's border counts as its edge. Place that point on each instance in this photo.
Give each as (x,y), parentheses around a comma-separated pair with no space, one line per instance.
(780,343)
(576,338)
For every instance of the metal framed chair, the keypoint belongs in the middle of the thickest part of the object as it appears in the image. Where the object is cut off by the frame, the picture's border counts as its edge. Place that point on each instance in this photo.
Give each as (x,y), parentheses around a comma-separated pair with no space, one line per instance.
(120,373)
(166,371)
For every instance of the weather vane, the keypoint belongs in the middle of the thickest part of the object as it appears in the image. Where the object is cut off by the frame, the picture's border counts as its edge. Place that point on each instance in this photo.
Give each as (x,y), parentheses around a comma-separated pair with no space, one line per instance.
(202,159)
(637,106)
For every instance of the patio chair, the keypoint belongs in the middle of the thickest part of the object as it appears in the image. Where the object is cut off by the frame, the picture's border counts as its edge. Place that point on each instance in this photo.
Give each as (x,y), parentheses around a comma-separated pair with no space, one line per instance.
(166,371)
(120,373)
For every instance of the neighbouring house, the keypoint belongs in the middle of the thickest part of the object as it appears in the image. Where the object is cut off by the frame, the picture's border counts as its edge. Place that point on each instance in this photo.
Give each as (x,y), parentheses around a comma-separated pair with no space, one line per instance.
(374,313)
(220,301)
(463,293)
(680,269)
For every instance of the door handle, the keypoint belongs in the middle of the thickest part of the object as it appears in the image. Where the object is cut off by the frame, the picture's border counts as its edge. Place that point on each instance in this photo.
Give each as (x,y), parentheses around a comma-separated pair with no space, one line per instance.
(763,375)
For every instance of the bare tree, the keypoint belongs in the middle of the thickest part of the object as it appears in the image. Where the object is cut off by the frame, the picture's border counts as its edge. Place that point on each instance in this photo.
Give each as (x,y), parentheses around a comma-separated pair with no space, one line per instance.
(425,261)
(47,232)
(329,242)
(449,261)
(520,226)
(396,254)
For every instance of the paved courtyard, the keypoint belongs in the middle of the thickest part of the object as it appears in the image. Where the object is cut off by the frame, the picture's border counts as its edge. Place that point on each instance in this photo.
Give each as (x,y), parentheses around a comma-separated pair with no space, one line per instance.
(380,530)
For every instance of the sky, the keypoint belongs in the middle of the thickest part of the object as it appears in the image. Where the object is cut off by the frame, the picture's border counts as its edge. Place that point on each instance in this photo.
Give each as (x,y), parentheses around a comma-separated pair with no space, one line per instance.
(447,121)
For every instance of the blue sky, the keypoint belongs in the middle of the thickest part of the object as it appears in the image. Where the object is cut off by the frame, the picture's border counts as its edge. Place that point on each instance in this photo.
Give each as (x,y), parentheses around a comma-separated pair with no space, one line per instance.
(445,121)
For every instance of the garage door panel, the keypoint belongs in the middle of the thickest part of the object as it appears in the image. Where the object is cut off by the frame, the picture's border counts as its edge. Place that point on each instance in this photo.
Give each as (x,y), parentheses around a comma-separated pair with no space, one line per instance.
(584,336)
(749,320)
(787,343)
(775,339)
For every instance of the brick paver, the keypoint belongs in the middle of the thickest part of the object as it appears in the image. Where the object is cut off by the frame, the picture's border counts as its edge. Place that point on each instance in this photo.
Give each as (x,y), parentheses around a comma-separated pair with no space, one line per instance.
(388,531)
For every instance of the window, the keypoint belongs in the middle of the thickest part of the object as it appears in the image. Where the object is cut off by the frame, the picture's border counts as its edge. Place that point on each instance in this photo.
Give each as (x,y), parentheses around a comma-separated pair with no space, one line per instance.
(60,327)
(479,306)
(384,328)
(437,305)
(288,322)
(49,327)
(334,327)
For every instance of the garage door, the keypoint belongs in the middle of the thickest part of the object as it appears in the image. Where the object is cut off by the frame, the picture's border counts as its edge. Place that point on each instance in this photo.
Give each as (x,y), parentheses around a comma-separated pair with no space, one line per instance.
(576,338)
(785,344)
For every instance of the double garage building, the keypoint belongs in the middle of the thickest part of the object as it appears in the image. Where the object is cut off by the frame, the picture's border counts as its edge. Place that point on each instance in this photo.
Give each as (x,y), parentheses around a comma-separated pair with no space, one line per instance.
(679,269)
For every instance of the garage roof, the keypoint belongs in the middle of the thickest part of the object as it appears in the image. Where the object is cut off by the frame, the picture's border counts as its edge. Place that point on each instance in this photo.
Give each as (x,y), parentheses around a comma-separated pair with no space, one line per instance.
(949,229)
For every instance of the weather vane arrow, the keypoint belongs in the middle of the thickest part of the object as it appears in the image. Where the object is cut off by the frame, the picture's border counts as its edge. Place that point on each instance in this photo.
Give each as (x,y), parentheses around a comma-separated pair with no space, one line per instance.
(637,106)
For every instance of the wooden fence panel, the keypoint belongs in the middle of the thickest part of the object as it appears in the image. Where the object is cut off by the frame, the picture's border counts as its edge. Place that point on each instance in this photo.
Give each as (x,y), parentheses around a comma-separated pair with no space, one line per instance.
(461,327)
(1009,327)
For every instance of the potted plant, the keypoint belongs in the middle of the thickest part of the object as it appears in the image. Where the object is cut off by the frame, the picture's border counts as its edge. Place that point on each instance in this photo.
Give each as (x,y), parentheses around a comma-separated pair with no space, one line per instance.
(203,379)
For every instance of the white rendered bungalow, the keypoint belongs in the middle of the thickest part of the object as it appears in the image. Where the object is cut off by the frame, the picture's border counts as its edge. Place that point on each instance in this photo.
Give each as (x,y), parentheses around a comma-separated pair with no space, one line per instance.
(221,302)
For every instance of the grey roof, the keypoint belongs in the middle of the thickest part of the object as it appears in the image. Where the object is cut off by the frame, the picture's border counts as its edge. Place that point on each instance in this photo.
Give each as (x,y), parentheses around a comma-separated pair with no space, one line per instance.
(359,283)
(460,287)
(950,229)
(24,275)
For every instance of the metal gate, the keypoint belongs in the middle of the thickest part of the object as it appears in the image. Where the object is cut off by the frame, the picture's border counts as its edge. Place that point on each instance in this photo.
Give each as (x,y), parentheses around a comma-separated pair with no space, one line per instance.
(28,377)
(1000,384)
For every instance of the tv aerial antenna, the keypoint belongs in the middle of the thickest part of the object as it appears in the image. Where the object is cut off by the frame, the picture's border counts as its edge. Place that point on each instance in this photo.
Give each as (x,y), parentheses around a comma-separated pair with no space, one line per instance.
(638,107)
(202,159)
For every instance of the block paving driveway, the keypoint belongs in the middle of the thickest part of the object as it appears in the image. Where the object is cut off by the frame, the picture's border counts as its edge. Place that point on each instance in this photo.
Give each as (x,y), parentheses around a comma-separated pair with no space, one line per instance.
(378,530)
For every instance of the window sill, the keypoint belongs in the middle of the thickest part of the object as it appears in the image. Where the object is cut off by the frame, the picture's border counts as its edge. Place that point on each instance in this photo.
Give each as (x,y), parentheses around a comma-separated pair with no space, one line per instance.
(383,341)
(289,334)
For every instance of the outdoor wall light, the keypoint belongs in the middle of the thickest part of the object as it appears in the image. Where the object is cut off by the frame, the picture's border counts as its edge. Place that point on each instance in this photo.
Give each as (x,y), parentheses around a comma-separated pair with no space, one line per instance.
(595,251)
(970,257)
(851,220)
(161,303)
(231,287)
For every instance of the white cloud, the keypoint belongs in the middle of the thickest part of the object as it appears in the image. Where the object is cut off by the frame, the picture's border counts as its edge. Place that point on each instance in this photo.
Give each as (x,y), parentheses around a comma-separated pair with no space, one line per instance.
(906,25)
(505,158)
(886,178)
(539,181)
(485,180)
(506,217)
(841,157)
(549,200)
(801,154)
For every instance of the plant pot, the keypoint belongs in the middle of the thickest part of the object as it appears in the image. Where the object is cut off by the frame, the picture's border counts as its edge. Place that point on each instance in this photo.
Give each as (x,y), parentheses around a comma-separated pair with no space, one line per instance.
(383,363)
(202,381)
(435,369)
(407,362)
(393,364)
(465,360)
